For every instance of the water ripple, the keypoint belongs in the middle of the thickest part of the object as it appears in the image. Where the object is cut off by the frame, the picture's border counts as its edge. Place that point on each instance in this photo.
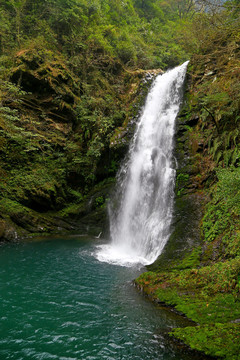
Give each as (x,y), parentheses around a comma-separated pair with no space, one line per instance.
(59,302)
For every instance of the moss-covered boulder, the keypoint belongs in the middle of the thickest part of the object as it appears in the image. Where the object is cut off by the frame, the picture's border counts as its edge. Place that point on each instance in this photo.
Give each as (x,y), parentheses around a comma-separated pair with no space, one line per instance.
(50,86)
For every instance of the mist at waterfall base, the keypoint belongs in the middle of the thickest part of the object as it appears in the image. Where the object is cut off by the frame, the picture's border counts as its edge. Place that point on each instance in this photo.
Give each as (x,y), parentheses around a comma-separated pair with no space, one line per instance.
(140,210)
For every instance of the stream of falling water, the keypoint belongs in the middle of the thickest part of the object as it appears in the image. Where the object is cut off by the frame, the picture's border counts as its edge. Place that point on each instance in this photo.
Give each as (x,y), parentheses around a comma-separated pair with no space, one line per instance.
(141,209)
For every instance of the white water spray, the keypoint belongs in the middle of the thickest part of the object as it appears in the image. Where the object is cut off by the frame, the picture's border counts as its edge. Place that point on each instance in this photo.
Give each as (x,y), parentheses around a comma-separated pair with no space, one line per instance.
(141,209)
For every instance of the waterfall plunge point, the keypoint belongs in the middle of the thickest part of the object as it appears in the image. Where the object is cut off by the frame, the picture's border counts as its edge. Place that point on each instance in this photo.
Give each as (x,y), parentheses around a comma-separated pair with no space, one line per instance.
(141,208)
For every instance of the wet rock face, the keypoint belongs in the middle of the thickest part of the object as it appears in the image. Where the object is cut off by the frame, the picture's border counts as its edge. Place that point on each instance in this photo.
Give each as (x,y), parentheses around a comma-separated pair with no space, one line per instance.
(9,231)
(48,82)
(185,235)
(20,222)
(2,228)
(122,136)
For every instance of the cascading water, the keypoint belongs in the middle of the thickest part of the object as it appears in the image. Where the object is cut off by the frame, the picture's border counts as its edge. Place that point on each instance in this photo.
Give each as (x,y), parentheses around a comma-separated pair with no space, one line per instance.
(141,208)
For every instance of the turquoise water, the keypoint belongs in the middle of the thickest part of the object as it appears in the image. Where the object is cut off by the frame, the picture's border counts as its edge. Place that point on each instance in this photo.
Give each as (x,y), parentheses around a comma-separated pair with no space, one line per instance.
(59,302)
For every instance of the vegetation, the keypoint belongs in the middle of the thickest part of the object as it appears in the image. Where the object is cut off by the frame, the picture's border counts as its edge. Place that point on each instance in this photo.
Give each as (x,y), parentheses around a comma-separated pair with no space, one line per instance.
(69,77)
(73,76)
(204,283)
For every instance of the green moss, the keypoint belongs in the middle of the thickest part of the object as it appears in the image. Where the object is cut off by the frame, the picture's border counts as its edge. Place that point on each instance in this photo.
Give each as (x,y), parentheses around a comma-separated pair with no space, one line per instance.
(208,295)
(99,201)
(206,309)
(36,187)
(192,260)
(95,199)
(221,221)
(72,210)
(218,339)
(11,207)
(21,220)
(186,220)
(181,182)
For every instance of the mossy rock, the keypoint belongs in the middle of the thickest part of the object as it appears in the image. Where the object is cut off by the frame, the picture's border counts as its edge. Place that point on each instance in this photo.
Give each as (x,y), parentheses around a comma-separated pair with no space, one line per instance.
(185,228)
(90,214)
(2,227)
(48,82)
(20,221)
(220,340)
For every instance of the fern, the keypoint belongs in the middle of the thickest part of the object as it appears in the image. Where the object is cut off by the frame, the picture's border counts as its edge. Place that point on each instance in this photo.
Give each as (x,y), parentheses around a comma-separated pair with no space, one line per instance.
(237,119)
(235,136)
(217,144)
(225,147)
(227,137)
(227,157)
(210,140)
(235,156)
(218,156)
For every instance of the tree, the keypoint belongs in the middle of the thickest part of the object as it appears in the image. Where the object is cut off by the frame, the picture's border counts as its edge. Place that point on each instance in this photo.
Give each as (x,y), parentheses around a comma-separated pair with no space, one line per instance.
(18,7)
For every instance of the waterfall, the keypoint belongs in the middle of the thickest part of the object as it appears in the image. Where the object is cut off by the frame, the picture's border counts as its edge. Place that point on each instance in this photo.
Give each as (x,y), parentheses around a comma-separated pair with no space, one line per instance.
(141,209)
